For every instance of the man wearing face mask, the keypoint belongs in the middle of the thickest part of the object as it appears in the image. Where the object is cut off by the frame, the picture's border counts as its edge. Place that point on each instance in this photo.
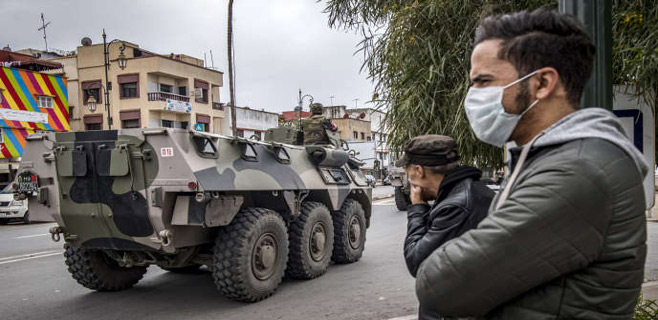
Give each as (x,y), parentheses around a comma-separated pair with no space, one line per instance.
(566,237)
(460,199)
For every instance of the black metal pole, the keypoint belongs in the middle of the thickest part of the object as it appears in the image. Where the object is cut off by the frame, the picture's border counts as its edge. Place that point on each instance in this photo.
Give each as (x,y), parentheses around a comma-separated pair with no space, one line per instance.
(596,15)
(106,62)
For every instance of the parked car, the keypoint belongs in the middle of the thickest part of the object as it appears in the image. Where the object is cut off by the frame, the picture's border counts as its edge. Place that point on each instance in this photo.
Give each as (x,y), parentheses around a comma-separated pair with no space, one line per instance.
(371,180)
(11,209)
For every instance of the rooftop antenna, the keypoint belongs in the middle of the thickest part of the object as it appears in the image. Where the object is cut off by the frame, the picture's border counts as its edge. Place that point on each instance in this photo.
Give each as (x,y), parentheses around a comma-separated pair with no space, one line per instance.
(212,60)
(44,24)
(205,61)
(356,103)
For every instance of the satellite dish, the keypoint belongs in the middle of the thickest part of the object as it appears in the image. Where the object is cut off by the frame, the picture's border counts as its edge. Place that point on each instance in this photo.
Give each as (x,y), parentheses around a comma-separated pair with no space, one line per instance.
(345,116)
(362,115)
(86,41)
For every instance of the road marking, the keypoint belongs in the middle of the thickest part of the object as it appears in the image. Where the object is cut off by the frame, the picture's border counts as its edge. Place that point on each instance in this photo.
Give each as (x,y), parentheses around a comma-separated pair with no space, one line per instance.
(33,236)
(29,256)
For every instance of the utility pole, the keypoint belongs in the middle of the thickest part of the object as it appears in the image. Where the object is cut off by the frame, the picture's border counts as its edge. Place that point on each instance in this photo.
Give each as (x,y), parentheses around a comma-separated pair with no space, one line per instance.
(333,110)
(356,103)
(596,15)
(43,27)
(231,79)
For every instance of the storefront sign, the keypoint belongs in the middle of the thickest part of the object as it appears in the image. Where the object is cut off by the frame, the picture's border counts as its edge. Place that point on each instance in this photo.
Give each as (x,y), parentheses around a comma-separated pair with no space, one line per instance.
(23,116)
(178,106)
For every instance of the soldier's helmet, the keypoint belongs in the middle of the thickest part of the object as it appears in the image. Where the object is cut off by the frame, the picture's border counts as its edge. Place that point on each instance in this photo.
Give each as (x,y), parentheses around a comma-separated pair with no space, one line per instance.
(316,108)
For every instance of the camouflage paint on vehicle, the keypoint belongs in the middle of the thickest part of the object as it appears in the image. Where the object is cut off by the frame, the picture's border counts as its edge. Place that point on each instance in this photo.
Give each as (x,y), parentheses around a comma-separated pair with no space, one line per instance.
(162,190)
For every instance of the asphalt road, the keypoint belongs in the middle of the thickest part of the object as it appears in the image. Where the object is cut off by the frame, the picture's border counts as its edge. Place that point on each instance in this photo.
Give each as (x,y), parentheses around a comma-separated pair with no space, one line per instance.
(39,287)
(35,284)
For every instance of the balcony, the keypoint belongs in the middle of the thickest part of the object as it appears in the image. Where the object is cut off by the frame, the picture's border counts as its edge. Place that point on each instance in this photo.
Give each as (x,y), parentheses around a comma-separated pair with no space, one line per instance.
(217,106)
(163,96)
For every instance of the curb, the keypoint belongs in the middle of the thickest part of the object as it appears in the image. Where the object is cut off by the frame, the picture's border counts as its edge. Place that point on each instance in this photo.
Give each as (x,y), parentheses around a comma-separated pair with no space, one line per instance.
(381,196)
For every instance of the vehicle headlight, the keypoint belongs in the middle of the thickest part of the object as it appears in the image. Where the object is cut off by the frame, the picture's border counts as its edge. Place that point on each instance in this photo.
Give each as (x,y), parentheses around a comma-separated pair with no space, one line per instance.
(17,202)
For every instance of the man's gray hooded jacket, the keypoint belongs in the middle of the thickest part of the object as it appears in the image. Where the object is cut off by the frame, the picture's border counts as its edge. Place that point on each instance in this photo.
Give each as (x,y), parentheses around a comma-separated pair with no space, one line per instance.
(568,243)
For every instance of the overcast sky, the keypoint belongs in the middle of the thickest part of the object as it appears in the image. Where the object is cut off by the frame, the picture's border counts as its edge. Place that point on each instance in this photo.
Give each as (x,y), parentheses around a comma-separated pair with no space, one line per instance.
(280,45)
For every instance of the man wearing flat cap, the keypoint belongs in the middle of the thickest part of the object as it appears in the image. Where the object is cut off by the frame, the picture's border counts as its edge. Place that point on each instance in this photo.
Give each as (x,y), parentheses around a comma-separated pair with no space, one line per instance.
(461,200)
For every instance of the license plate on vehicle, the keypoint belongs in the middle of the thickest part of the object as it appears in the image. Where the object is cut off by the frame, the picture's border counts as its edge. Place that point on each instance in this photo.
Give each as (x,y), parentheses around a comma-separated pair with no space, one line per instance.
(28,182)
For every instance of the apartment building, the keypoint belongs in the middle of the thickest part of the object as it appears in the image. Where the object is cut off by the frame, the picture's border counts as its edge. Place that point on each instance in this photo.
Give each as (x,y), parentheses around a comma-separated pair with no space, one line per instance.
(145,90)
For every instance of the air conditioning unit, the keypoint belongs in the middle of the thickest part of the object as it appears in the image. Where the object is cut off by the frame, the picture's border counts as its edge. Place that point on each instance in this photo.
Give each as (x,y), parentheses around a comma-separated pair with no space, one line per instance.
(198,92)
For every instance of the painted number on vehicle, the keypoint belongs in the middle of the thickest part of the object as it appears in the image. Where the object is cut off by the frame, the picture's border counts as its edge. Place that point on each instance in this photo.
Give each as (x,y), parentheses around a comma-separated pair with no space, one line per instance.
(166,152)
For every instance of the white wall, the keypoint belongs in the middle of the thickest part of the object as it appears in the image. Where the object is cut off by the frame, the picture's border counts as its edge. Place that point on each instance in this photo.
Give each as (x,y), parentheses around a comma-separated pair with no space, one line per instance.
(366,152)
(250,120)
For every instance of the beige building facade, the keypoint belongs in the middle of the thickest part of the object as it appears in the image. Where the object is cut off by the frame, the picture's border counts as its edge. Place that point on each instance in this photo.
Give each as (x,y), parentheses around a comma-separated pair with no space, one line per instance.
(353,129)
(151,91)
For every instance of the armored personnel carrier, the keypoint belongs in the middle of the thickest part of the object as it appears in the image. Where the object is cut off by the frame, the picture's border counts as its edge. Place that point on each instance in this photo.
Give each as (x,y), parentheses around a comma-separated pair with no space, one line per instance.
(252,211)
(398,178)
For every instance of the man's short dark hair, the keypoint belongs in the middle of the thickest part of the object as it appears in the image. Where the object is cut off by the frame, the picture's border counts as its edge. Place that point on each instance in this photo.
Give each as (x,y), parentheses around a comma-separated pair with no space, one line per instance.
(543,38)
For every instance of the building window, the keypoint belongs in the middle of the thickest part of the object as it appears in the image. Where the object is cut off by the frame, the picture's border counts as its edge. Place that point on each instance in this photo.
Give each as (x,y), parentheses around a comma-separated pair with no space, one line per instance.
(2,136)
(45,102)
(129,90)
(71,112)
(132,123)
(93,126)
(91,89)
(363,136)
(184,124)
(167,124)
(355,134)
(369,139)
(240,133)
(165,88)
(201,91)
(258,135)
(182,91)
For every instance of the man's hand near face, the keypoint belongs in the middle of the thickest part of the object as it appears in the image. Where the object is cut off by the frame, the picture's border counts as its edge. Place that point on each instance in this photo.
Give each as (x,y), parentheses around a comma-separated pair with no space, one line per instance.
(417,195)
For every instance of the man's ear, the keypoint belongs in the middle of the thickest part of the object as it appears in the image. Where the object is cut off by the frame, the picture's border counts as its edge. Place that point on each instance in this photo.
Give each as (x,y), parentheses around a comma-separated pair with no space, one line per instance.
(419,171)
(548,82)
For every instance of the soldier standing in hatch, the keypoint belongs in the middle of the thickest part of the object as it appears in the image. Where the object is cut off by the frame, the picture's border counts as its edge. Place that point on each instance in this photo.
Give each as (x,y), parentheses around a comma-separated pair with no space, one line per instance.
(315,126)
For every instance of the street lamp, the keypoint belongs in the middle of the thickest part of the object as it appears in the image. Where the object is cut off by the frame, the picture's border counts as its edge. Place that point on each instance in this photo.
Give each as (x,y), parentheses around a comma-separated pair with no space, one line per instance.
(299,114)
(91,104)
(121,61)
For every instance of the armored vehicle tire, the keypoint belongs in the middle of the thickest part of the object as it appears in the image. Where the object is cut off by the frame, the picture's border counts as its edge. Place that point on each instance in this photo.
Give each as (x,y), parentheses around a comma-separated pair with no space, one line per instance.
(95,270)
(311,242)
(191,269)
(250,255)
(349,232)
(402,200)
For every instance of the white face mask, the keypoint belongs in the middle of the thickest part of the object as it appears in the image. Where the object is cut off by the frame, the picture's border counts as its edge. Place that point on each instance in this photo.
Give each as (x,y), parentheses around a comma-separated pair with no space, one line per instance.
(485,113)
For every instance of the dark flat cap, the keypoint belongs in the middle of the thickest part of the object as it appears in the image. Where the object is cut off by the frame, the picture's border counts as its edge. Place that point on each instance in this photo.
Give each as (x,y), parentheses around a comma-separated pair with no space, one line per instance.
(429,150)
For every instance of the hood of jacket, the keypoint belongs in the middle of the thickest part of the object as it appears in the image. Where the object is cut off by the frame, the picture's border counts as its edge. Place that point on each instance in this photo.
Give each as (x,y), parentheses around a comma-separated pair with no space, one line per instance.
(593,123)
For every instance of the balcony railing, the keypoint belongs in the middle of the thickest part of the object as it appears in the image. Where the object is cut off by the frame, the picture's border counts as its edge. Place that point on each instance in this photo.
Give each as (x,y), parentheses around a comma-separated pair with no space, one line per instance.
(217,106)
(163,96)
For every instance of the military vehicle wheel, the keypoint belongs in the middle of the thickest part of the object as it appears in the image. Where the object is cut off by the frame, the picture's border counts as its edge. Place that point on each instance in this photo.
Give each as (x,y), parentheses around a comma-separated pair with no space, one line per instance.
(311,242)
(26,218)
(95,270)
(250,255)
(191,269)
(402,200)
(349,232)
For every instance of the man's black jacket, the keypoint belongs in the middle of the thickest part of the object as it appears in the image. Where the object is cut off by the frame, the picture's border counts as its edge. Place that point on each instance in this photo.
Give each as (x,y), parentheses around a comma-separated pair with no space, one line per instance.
(462,202)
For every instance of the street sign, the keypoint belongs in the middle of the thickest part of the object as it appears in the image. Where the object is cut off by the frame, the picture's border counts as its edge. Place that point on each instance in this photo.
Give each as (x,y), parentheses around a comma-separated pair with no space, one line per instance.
(638,122)
(198,126)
